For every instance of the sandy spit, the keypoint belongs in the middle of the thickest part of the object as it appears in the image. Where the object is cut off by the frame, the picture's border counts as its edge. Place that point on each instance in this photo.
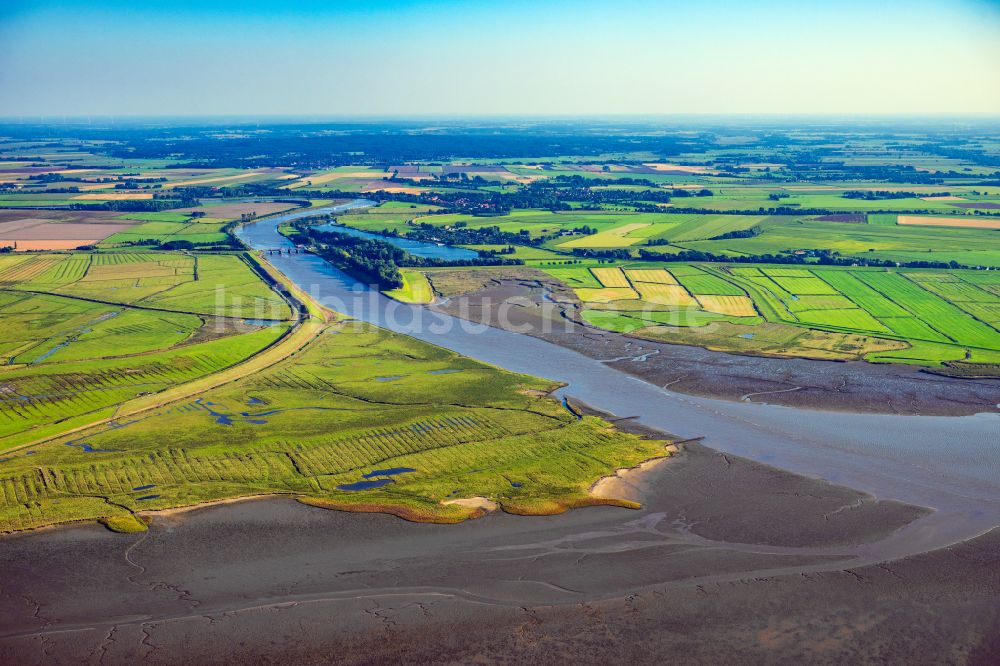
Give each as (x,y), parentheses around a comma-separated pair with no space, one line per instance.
(474,503)
(621,484)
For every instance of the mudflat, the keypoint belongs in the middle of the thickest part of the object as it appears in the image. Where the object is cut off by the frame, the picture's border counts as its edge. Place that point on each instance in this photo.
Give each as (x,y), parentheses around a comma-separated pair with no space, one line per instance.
(727,558)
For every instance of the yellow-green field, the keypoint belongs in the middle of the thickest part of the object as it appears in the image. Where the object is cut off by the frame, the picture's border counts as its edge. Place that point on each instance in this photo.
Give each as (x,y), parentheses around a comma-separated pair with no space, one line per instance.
(616,237)
(925,317)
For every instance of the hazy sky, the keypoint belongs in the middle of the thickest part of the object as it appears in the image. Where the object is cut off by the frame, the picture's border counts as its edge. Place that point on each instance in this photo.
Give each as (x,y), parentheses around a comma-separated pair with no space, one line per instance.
(409,57)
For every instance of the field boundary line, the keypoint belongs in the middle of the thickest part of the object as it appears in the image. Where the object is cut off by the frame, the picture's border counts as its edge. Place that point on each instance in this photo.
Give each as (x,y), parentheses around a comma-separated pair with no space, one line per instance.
(952,302)
(130,305)
(305,330)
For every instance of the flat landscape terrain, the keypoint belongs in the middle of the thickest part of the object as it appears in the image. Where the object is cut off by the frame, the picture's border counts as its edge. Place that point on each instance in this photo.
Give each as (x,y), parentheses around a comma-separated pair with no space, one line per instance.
(223,350)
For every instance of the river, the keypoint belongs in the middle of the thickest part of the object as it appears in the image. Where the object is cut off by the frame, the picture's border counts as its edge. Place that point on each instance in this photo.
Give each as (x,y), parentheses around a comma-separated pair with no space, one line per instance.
(950,464)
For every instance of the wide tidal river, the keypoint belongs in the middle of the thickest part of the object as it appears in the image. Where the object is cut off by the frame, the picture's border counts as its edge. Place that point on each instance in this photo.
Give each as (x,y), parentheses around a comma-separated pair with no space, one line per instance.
(950,464)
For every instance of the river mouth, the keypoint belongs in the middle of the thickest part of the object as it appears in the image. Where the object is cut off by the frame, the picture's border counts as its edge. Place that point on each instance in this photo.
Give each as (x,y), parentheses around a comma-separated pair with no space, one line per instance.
(950,464)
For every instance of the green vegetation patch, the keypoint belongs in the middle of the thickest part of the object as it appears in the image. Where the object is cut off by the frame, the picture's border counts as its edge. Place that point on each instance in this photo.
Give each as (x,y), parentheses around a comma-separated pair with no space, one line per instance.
(415,289)
(361,419)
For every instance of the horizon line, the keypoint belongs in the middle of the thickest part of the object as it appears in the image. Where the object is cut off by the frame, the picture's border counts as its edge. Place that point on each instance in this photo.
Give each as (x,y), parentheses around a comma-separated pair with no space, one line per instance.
(77,119)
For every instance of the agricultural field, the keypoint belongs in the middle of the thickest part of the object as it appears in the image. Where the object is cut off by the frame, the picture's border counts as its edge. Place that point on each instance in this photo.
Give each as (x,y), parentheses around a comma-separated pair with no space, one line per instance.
(964,222)
(82,333)
(200,284)
(57,230)
(348,179)
(894,242)
(620,236)
(923,317)
(968,240)
(390,216)
(362,419)
(537,223)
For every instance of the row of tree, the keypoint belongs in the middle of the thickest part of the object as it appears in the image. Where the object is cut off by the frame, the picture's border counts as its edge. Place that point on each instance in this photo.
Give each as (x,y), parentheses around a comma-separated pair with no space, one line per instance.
(379,261)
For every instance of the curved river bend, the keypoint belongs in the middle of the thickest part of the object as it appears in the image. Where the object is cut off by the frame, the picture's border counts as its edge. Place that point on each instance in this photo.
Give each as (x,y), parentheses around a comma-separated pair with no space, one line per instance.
(951,464)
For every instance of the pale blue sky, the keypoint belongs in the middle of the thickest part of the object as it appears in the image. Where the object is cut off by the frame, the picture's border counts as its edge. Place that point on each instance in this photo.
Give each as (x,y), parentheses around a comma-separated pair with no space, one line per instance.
(415,57)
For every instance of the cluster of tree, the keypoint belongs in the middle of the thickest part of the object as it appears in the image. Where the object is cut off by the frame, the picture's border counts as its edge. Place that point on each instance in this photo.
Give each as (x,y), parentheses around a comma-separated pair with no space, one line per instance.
(601,254)
(680,193)
(877,195)
(813,168)
(209,246)
(55,178)
(787,210)
(138,205)
(743,233)
(555,195)
(229,244)
(313,146)
(974,155)
(823,258)
(510,249)
(581,189)
(123,182)
(576,180)
(466,236)
(378,260)
(140,183)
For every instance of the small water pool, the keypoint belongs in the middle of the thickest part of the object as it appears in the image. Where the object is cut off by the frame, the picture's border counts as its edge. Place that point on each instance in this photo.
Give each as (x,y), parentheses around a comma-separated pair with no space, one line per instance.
(365,485)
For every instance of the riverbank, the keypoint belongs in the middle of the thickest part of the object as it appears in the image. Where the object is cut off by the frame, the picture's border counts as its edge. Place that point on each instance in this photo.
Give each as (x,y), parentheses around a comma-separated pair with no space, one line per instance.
(536,305)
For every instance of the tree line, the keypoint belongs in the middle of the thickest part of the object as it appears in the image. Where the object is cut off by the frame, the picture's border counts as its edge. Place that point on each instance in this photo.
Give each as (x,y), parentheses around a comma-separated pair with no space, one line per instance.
(379,261)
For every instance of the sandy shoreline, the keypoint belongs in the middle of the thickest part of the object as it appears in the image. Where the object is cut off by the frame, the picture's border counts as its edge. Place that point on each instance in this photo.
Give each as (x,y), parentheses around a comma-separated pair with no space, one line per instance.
(622,484)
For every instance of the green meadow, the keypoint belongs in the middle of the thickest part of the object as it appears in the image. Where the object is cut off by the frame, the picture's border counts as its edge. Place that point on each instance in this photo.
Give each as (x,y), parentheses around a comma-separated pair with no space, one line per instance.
(362,419)
(935,318)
